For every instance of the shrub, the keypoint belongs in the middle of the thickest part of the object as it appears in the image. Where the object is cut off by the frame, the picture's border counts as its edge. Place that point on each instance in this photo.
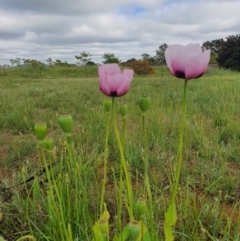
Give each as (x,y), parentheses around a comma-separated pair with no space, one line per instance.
(141,67)
(229,54)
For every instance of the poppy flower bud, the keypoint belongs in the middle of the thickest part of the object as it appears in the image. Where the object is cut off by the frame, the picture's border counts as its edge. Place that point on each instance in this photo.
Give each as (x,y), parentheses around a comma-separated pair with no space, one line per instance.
(141,206)
(134,229)
(48,144)
(107,104)
(144,103)
(123,110)
(66,123)
(40,131)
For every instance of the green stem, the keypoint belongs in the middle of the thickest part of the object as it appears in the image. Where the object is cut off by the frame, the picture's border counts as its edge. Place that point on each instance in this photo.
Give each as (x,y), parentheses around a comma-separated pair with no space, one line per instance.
(29,237)
(60,217)
(123,163)
(120,201)
(105,164)
(147,183)
(180,148)
(170,215)
(123,137)
(124,131)
(141,221)
(28,198)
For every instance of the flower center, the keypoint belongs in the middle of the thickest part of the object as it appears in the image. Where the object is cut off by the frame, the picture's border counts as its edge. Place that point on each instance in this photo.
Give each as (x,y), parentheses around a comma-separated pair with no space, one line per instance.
(113,93)
(180,74)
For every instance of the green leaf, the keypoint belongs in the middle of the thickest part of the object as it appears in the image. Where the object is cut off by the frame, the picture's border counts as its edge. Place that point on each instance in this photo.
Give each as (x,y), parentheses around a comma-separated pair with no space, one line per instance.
(97,233)
(171,214)
(123,236)
(170,221)
(146,237)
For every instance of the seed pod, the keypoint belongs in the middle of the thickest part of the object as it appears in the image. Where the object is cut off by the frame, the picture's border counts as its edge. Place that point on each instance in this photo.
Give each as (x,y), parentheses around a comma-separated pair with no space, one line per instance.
(48,144)
(66,123)
(40,131)
(107,104)
(134,229)
(141,206)
(123,110)
(144,103)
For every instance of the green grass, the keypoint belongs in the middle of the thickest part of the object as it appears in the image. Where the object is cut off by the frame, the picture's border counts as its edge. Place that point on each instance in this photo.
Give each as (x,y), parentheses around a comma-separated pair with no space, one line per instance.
(26,72)
(209,194)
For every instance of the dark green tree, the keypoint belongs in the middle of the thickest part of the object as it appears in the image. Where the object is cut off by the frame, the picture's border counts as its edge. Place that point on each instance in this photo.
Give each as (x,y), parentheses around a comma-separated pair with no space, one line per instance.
(145,56)
(214,46)
(90,63)
(229,53)
(153,60)
(110,58)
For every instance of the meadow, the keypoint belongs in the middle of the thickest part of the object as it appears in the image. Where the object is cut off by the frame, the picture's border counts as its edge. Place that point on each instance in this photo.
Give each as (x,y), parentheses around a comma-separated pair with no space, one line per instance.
(209,190)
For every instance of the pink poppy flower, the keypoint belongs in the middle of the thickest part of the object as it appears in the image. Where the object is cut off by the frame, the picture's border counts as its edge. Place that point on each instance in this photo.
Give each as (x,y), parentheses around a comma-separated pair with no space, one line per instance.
(114,82)
(187,62)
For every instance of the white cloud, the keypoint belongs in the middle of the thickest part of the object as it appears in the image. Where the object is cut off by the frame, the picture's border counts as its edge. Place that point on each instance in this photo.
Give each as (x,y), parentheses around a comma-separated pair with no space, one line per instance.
(41,29)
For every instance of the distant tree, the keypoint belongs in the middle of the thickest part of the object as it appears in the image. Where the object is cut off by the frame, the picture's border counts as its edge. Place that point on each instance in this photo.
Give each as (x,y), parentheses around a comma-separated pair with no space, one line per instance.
(153,60)
(229,53)
(214,46)
(3,67)
(49,62)
(16,61)
(160,56)
(59,63)
(129,61)
(90,63)
(83,58)
(27,62)
(145,56)
(37,65)
(110,58)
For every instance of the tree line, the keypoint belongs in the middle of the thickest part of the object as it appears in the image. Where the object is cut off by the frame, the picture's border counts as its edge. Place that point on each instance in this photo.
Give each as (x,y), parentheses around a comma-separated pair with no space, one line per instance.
(225,53)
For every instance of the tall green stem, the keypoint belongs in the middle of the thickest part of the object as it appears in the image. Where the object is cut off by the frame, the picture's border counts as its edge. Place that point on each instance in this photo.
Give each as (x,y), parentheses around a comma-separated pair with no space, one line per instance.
(180,147)
(105,164)
(145,159)
(124,131)
(171,215)
(123,163)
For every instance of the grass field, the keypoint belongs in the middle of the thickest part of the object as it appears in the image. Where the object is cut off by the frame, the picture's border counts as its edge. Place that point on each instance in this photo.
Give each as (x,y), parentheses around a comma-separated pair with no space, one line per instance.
(209,191)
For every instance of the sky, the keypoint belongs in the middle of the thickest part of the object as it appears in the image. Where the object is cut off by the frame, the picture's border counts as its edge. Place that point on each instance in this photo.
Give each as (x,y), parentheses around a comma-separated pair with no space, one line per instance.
(62,29)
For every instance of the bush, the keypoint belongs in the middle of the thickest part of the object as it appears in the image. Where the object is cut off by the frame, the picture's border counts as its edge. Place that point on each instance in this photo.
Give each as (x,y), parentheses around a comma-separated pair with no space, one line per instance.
(229,54)
(141,67)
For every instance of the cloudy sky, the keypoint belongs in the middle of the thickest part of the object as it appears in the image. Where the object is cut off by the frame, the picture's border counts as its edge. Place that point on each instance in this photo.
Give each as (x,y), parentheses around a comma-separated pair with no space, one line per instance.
(39,29)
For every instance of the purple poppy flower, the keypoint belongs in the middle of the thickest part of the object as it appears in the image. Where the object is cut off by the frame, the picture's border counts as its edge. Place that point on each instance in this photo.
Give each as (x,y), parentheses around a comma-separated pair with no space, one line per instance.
(187,62)
(114,82)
